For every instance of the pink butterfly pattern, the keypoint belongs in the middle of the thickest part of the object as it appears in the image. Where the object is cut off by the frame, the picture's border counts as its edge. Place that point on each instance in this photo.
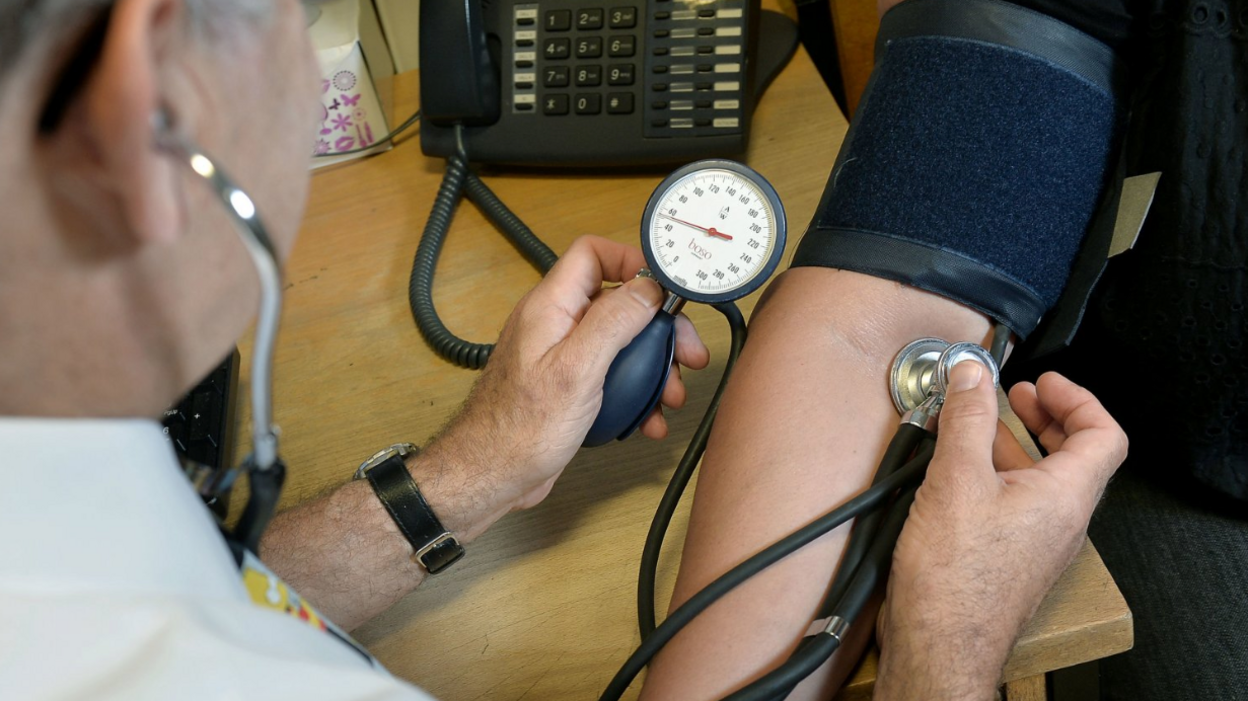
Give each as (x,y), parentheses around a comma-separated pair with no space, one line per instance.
(342,113)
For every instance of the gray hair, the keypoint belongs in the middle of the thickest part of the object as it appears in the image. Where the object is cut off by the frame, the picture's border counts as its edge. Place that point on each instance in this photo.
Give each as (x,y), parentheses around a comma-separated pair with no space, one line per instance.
(20,20)
(23,20)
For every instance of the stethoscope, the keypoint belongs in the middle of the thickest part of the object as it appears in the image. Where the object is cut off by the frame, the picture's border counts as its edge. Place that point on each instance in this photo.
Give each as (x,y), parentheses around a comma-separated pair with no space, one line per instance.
(918,380)
(264,468)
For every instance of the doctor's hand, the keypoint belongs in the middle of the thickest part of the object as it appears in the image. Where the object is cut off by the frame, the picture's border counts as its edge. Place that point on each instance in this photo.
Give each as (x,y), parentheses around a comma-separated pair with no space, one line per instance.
(989,533)
(541,390)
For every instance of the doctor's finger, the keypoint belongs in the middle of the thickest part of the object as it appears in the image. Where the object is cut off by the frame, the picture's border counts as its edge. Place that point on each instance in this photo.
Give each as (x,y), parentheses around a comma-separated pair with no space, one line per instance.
(1027,406)
(1007,453)
(690,350)
(654,426)
(674,392)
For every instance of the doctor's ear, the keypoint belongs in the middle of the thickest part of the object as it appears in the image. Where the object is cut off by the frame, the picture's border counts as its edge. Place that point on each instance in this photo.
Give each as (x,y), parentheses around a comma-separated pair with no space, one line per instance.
(104,100)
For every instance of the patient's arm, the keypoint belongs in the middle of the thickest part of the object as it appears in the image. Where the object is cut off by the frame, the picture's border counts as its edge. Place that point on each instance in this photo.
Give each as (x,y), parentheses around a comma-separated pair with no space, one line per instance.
(801,429)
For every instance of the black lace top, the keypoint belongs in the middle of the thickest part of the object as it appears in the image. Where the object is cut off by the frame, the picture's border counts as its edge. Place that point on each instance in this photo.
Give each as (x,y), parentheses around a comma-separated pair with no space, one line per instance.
(1163,344)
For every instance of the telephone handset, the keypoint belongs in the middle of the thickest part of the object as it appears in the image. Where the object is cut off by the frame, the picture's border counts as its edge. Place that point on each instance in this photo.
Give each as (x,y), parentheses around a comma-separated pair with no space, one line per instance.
(595,82)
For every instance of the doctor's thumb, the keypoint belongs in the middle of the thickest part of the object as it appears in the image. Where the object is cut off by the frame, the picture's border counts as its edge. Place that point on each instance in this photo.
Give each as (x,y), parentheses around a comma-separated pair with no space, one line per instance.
(615,319)
(968,423)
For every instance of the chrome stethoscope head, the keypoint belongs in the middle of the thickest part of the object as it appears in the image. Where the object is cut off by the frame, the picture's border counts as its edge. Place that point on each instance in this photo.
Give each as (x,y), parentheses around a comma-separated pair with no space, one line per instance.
(919,376)
(264,466)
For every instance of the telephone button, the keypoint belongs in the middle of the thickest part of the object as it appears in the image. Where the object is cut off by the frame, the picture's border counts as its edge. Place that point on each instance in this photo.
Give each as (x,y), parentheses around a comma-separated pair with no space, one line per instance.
(660,51)
(525,21)
(706,31)
(620,103)
(589,18)
(524,85)
(658,122)
(524,64)
(555,77)
(588,76)
(659,69)
(558,20)
(524,106)
(524,43)
(621,74)
(623,17)
(555,104)
(589,47)
(589,103)
(662,33)
(663,15)
(659,105)
(706,49)
(621,47)
(557,48)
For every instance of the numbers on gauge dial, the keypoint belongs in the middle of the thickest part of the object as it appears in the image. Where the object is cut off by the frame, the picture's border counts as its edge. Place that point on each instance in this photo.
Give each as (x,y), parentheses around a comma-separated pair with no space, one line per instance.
(712,231)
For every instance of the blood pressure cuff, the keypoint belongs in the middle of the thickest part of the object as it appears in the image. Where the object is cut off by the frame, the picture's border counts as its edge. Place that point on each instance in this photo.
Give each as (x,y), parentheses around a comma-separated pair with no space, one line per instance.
(980,154)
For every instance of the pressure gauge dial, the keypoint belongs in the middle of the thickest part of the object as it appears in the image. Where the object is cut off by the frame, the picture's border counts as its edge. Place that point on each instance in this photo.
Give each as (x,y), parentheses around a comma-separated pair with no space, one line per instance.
(713,231)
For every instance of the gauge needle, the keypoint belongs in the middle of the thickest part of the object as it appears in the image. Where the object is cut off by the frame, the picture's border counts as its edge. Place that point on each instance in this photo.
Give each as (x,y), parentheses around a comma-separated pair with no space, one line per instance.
(710,232)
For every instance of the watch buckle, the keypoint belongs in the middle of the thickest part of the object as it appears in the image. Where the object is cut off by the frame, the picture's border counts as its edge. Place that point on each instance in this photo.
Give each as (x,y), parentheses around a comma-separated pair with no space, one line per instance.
(399,449)
(419,556)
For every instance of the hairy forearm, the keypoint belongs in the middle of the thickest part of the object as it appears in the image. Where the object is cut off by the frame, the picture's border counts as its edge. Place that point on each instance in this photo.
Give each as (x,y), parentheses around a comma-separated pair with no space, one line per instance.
(801,430)
(346,555)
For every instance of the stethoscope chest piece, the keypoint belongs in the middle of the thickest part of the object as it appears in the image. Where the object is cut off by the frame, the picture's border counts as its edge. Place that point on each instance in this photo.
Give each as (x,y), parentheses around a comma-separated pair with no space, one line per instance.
(923,366)
(914,372)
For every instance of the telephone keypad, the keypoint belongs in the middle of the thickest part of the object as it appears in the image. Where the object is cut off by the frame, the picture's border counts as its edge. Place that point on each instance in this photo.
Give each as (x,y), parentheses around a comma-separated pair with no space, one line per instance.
(571,37)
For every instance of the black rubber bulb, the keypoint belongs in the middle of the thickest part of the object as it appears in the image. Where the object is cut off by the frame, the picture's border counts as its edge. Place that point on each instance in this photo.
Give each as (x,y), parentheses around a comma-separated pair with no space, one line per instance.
(635,382)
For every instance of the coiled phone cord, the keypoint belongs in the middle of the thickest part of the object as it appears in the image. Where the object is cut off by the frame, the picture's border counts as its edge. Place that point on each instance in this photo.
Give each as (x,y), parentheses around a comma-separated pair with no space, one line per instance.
(456,182)
(680,478)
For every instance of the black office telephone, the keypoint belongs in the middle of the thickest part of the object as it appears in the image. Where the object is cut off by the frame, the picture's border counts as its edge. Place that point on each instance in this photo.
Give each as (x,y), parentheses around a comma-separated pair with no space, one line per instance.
(595,82)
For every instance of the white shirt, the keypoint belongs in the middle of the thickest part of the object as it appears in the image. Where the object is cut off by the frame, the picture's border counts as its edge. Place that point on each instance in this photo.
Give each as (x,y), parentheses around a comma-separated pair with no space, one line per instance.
(116,584)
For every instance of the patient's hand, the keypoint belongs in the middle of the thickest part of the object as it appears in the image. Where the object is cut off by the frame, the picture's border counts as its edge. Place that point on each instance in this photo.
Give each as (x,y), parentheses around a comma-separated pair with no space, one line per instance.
(983,544)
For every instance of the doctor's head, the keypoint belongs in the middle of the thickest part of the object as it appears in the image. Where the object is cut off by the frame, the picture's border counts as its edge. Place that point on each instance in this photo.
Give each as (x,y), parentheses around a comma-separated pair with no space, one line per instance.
(122,280)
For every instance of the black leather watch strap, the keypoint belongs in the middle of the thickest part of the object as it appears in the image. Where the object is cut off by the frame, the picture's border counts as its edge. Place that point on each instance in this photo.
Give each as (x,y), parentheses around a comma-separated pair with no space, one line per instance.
(435,547)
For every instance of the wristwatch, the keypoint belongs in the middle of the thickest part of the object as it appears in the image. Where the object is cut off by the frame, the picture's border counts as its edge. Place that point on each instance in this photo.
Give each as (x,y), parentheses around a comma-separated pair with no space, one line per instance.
(435,548)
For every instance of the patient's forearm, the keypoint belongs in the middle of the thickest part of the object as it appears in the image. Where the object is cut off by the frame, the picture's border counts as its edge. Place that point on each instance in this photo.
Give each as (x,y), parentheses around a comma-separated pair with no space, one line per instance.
(801,429)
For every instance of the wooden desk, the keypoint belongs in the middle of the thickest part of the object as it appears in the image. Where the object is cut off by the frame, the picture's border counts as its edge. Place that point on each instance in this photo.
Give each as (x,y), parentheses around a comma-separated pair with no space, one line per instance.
(543,606)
